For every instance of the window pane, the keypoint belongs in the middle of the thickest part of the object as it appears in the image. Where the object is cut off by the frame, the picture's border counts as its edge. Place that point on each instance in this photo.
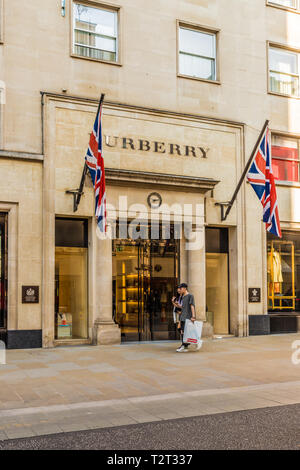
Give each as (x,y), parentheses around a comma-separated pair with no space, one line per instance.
(90,24)
(217,291)
(284,147)
(284,84)
(197,67)
(281,278)
(71,315)
(285,3)
(285,170)
(71,232)
(283,61)
(94,19)
(95,53)
(196,42)
(90,39)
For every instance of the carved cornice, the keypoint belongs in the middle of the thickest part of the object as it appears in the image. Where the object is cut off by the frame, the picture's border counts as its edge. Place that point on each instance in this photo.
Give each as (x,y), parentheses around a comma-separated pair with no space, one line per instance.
(159,180)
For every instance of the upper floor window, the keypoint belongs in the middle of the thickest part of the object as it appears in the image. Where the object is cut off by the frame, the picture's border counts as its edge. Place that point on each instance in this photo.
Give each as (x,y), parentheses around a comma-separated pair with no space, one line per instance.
(284,71)
(294,4)
(197,53)
(285,158)
(95,32)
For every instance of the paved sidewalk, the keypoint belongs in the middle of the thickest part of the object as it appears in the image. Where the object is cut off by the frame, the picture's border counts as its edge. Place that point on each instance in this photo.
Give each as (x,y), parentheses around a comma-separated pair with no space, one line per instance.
(77,388)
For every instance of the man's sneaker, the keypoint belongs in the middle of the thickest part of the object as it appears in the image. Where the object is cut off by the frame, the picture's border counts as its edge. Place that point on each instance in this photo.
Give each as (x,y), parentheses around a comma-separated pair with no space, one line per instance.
(198,346)
(182,349)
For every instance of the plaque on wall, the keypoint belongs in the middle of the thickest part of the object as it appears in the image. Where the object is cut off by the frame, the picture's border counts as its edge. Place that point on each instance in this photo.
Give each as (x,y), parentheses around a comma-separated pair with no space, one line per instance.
(30,294)
(254,295)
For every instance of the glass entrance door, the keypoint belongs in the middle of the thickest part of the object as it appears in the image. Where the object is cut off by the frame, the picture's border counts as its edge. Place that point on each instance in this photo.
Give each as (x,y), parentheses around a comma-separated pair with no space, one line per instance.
(3,275)
(144,281)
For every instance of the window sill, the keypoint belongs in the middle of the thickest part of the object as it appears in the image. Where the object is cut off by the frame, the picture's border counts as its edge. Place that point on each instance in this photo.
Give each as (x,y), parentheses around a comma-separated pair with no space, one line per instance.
(282,7)
(283,95)
(214,82)
(109,62)
(290,184)
(286,184)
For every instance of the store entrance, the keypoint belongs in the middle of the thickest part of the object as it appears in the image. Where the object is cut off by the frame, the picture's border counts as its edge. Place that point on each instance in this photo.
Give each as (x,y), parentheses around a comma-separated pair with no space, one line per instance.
(145,276)
(3,276)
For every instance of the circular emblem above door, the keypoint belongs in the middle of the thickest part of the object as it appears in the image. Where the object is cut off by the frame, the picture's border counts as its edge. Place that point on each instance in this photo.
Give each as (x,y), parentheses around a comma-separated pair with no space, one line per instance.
(154,200)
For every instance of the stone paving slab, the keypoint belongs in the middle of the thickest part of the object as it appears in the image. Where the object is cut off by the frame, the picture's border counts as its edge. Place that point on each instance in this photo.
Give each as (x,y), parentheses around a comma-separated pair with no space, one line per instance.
(76,388)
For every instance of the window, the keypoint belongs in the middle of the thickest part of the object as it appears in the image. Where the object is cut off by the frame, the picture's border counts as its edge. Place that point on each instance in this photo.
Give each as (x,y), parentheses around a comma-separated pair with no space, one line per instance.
(217,279)
(284,71)
(285,3)
(197,53)
(285,158)
(71,278)
(284,272)
(95,32)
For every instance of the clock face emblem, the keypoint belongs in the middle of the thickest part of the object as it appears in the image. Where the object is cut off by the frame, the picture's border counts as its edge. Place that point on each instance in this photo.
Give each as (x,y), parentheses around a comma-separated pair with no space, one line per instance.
(154,200)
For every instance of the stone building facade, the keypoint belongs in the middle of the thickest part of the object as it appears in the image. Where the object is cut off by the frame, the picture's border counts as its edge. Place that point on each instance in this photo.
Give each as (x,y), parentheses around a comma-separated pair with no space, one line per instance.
(188,86)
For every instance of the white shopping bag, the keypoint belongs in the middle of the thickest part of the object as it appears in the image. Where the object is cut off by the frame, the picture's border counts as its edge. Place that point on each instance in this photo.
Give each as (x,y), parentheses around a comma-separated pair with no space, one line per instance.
(192,332)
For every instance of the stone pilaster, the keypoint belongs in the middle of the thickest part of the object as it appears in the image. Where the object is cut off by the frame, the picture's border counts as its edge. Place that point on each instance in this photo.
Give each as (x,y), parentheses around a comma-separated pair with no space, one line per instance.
(106,331)
(197,276)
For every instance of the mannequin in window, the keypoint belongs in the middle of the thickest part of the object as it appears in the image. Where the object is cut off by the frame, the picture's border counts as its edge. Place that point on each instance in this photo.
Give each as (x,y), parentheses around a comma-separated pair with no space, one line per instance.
(276,271)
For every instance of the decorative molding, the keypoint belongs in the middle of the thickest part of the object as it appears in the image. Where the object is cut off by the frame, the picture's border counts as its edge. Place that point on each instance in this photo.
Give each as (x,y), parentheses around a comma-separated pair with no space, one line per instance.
(160,180)
(21,155)
(159,112)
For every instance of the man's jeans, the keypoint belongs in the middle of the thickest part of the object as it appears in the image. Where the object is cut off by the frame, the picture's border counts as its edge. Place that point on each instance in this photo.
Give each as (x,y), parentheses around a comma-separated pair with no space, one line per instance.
(182,324)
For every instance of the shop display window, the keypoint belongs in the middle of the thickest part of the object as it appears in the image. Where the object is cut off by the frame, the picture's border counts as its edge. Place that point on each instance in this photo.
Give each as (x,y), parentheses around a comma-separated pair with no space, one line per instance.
(284,272)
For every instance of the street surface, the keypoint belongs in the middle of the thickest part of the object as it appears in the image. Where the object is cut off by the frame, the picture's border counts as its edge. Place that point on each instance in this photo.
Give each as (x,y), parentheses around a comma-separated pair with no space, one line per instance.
(66,389)
(262,429)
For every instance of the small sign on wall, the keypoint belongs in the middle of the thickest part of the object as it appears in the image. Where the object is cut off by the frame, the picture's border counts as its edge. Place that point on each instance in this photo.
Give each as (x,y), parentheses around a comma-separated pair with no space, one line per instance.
(254,295)
(30,294)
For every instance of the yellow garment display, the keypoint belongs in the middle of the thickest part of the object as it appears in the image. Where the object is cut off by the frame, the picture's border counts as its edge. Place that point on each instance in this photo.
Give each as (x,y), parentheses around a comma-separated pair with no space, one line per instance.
(281,262)
(274,267)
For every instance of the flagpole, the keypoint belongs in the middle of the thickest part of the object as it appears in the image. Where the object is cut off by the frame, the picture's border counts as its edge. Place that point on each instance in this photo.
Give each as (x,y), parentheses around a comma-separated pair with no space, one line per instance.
(230,203)
(85,168)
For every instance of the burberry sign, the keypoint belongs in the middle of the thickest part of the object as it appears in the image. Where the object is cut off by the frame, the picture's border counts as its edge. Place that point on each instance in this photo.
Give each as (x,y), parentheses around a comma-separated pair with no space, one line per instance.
(144,145)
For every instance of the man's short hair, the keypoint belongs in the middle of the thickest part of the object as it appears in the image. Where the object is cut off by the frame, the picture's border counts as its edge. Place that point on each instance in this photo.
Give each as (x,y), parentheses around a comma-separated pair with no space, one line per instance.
(183,285)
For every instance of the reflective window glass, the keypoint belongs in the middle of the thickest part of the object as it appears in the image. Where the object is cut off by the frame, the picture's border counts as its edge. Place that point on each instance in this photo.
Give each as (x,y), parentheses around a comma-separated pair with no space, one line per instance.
(285,3)
(95,32)
(285,158)
(197,53)
(284,71)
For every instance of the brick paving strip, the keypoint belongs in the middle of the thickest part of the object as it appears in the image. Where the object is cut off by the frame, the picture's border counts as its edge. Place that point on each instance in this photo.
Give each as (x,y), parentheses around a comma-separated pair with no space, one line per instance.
(52,391)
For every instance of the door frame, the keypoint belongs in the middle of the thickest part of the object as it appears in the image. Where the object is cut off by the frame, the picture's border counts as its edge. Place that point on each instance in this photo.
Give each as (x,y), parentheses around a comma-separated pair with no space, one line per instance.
(4,273)
(147,333)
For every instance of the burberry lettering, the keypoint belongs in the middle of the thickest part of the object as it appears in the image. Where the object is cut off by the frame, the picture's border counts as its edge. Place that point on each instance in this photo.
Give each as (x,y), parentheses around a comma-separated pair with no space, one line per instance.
(144,145)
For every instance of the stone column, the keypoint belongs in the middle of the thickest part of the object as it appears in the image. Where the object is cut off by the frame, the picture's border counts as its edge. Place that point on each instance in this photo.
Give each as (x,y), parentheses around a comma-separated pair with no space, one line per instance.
(197,276)
(106,331)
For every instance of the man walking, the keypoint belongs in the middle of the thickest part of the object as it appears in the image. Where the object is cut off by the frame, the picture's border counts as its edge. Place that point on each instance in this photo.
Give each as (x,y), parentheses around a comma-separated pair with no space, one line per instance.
(187,313)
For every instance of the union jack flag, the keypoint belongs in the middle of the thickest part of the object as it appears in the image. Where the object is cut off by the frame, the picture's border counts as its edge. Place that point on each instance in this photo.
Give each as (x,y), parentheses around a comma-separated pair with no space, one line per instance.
(261,178)
(95,163)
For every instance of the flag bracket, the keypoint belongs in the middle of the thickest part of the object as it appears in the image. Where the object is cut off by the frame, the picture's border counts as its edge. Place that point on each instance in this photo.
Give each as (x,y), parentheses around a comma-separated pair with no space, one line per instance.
(76,193)
(223,205)
(231,202)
